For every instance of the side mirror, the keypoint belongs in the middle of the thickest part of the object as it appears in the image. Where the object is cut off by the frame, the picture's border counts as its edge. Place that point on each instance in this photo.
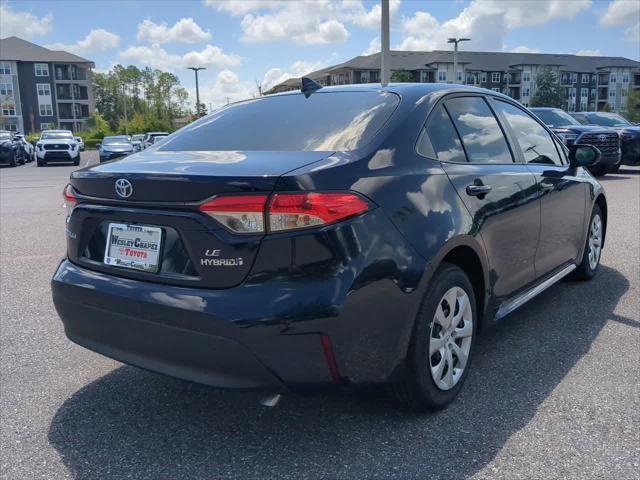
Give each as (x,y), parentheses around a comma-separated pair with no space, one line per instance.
(98,145)
(583,155)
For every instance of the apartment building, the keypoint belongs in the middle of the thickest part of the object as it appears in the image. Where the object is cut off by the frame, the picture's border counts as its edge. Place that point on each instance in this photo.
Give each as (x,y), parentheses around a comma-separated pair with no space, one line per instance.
(589,82)
(42,88)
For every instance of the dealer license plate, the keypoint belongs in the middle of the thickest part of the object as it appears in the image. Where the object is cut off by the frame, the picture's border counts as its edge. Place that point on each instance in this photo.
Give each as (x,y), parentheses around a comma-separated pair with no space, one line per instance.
(133,246)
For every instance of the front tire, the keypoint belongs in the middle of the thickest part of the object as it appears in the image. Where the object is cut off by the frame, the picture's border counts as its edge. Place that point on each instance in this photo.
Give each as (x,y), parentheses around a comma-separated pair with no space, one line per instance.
(441,346)
(593,246)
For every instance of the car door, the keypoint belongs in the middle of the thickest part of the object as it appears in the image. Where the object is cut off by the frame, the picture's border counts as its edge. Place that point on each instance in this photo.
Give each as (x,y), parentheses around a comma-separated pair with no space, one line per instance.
(562,190)
(499,193)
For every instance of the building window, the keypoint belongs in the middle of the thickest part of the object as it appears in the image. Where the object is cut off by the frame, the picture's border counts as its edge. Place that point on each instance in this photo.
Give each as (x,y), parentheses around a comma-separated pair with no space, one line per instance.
(612,78)
(526,77)
(585,78)
(583,107)
(625,78)
(44,89)
(496,89)
(42,70)
(612,93)
(495,77)
(46,110)
(574,78)
(623,93)
(12,127)
(45,126)
(442,76)
(460,76)
(593,94)
(6,89)
(424,76)
(584,93)
(8,109)
(525,92)
(484,77)
(5,68)
(526,105)
(374,76)
(471,79)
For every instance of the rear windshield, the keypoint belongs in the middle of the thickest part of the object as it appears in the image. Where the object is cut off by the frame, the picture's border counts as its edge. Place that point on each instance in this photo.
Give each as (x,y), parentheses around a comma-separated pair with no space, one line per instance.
(323,122)
(113,140)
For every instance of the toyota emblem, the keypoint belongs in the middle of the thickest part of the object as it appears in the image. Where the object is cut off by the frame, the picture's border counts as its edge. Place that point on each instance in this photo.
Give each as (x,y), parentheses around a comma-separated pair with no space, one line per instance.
(124,188)
(602,138)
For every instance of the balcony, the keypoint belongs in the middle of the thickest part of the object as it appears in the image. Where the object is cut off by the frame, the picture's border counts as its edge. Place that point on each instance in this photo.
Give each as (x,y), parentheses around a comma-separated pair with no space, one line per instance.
(603,94)
(63,92)
(514,92)
(69,72)
(515,79)
(603,79)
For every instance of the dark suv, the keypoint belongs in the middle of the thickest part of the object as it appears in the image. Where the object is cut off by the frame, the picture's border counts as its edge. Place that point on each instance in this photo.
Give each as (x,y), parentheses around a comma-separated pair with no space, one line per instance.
(362,235)
(629,132)
(571,131)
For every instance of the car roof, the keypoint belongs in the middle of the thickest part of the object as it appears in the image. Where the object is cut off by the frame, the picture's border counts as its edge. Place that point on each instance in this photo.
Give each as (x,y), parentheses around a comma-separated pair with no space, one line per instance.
(545,108)
(58,131)
(410,91)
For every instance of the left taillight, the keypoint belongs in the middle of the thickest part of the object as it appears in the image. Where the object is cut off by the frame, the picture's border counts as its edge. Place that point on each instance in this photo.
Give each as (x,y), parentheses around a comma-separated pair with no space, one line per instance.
(283,211)
(70,200)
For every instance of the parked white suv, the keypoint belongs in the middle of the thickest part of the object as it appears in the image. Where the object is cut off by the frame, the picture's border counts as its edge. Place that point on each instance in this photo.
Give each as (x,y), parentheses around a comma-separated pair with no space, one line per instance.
(57,146)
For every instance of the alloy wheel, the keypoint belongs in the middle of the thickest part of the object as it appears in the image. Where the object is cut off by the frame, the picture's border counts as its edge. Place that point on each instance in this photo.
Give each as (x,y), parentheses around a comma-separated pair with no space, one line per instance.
(450,338)
(595,241)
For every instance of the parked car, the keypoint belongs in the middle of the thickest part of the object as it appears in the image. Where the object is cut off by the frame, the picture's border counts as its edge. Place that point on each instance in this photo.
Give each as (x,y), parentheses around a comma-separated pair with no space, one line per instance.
(362,235)
(115,146)
(80,143)
(573,132)
(136,141)
(629,132)
(56,146)
(150,137)
(29,151)
(11,150)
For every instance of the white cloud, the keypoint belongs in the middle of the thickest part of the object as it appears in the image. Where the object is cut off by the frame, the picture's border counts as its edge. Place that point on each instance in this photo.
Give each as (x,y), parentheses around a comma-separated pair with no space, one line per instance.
(295,70)
(242,7)
(226,88)
(96,41)
(185,30)
(374,46)
(355,12)
(624,12)
(524,49)
(589,53)
(486,22)
(22,24)
(157,57)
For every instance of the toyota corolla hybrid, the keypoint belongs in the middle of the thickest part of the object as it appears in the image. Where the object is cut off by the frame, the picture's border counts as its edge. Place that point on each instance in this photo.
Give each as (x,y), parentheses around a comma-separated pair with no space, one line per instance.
(331,237)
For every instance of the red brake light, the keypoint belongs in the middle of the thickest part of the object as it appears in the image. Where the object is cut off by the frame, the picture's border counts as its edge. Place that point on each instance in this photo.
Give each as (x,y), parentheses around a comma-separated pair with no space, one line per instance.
(70,199)
(289,211)
(239,213)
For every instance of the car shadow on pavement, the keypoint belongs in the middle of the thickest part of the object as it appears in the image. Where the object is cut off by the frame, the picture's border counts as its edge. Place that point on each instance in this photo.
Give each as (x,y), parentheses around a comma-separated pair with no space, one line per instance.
(135,424)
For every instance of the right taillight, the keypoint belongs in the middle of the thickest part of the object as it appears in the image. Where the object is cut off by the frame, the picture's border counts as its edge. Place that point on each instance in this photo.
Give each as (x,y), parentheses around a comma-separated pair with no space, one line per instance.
(284,211)
(70,200)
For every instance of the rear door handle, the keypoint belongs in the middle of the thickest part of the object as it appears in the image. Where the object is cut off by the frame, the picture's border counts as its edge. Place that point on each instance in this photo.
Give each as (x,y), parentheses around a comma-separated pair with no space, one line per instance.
(478,190)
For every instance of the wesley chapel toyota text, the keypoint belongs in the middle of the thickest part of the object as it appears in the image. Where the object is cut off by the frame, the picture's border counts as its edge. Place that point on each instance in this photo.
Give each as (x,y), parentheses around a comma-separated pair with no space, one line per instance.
(335,236)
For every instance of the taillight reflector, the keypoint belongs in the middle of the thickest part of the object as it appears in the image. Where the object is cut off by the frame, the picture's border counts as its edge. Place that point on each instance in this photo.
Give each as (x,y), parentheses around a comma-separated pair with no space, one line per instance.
(70,199)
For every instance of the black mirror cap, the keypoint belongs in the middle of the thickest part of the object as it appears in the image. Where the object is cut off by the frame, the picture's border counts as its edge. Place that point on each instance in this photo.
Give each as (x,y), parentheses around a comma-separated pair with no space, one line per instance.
(583,155)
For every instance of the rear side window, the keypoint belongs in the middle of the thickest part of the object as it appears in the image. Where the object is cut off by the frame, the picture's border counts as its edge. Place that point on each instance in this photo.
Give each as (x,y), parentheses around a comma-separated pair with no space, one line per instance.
(323,122)
(481,134)
(440,139)
(535,142)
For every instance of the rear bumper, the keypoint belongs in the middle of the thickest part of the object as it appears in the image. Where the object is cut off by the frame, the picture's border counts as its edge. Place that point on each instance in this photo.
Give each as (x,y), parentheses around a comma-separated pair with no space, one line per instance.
(113,156)
(345,323)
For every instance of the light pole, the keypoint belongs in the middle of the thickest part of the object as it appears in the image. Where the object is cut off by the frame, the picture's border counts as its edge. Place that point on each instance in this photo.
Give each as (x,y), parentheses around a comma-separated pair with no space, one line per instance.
(455,55)
(385,73)
(126,118)
(196,69)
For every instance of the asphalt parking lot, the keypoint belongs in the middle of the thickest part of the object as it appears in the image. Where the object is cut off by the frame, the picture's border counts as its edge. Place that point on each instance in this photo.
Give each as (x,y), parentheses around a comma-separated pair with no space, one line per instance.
(554,391)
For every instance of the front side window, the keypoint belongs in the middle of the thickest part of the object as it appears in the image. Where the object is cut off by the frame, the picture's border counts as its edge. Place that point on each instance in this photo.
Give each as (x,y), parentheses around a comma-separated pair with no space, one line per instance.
(535,142)
(439,138)
(42,70)
(481,134)
(5,68)
(46,110)
(326,121)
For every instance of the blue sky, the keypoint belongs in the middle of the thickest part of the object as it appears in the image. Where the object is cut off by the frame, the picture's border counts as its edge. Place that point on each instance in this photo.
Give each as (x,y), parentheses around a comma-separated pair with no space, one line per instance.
(266,40)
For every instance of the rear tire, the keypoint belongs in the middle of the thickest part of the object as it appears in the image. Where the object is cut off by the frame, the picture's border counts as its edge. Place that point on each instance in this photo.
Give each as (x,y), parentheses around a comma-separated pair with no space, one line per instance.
(41,164)
(593,246)
(441,346)
(614,168)
(599,171)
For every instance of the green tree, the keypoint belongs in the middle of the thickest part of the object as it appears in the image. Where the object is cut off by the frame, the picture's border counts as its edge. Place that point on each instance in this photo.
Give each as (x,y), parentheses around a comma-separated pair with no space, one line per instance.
(549,93)
(401,76)
(606,107)
(633,106)
(98,126)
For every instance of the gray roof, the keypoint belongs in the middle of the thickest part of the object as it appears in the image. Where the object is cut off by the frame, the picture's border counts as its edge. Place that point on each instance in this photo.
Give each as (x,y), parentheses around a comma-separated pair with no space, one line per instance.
(487,61)
(17,49)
